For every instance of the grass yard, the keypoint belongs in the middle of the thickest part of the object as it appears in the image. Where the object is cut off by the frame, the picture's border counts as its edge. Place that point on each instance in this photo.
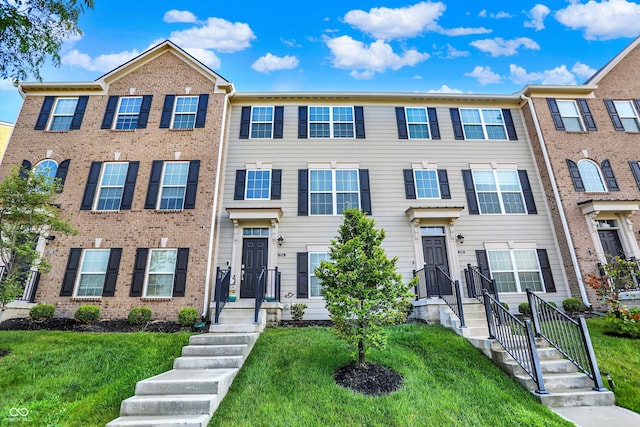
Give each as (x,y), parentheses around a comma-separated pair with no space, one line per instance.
(620,357)
(287,381)
(78,379)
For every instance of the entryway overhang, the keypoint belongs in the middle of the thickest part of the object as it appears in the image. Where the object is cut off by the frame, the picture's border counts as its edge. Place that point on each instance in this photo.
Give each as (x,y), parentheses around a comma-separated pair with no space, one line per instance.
(611,206)
(445,213)
(255,214)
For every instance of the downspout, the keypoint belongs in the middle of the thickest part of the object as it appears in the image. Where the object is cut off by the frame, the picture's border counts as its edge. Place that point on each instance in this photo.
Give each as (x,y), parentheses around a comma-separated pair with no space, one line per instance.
(214,208)
(556,195)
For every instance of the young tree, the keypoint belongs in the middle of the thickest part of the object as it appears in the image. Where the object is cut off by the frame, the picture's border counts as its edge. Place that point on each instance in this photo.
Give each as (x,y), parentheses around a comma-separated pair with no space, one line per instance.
(362,289)
(32,30)
(26,212)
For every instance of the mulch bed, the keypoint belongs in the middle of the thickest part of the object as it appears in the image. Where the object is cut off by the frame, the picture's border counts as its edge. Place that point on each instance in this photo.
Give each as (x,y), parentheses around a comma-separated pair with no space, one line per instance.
(368,379)
(66,324)
(304,323)
(3,352)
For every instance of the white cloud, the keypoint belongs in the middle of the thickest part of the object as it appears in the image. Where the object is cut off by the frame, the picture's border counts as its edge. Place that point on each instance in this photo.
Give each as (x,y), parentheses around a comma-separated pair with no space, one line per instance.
(605,20)
(463,31)
(350,54)
(583,71)
(500,47)
(537,14)
(484,75)
(175,15)
(205,56)
(452,52)
(6,84)
(217,34)
(556,76)
(102,63)
(444,89)
(269,62)
(483,13)
(388,24)
(501,15)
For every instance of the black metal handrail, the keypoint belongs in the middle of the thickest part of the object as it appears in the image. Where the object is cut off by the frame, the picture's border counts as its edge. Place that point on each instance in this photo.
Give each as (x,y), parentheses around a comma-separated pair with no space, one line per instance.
(261,287)
(454,301)
(477,283)
(569,337)
(223,282)
(421,288)
(516,337)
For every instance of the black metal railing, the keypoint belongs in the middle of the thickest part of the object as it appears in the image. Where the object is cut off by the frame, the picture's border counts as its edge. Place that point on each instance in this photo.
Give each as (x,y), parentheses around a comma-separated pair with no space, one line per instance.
(261,286)
(454,301)
(421,289)
(516,337)
(569,337)
(477,283)
(223,282)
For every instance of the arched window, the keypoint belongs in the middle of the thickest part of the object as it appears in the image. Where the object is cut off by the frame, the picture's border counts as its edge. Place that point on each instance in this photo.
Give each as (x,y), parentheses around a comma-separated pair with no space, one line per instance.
(591,176)
(46,168)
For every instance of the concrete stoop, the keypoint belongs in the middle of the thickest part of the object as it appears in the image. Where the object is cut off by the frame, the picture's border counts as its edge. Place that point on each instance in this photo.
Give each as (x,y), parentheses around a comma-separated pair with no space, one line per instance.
(566,386)
(189,394)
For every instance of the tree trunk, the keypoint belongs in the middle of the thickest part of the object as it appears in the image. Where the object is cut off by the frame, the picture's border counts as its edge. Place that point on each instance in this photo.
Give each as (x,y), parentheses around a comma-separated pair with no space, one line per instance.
(361,352)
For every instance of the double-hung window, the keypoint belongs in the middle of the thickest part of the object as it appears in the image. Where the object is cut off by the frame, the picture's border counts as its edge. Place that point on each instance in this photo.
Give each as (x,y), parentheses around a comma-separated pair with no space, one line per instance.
(499,191)
(111,186)
(184,113)
(333,190)
(62,115)
(483,123)
(427,183)
(92,274)
(417,123)
(628,115)
(570,114)
(258,184)
(261,122)
(173,187)
(515,270)
(160,273)
(314,283)
(331,122)
(128,112)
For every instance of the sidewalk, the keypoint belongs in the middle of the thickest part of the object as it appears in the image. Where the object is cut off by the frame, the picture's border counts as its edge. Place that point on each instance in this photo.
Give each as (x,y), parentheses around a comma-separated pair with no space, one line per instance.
(599,416)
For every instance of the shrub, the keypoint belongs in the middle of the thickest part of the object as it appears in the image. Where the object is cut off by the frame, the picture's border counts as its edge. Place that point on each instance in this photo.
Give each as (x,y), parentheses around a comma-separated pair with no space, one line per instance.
(297,310)
(524,309)
(572,305)
(626,322)
(87,314)
(42,311)
(505,305)
(139,315)
(188,316)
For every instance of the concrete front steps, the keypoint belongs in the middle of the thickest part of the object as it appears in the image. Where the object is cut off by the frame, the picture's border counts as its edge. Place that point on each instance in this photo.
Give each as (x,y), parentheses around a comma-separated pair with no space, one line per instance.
(566,386)
(189,394)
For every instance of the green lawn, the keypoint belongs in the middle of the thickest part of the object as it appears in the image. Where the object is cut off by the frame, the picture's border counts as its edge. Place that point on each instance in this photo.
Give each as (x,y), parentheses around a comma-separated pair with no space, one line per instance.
(287,381)
(620,357)
(78,379)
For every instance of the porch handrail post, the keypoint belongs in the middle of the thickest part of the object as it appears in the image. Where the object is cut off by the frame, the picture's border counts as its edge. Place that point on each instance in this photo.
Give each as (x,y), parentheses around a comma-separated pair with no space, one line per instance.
(426,280)
(438,283)
(277,285)
(459,301)
(535,360)
(593,363)
(534,312)
(218,291)
(471,282)
(488,313)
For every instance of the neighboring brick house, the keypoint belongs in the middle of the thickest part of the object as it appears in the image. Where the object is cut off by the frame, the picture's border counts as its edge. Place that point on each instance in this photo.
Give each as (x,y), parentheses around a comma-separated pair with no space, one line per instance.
(138,153)
(585,140)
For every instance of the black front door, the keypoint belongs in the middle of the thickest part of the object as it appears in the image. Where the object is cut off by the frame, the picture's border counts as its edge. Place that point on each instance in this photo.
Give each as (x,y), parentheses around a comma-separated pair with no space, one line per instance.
(254,258)
(611,243)
(435,255)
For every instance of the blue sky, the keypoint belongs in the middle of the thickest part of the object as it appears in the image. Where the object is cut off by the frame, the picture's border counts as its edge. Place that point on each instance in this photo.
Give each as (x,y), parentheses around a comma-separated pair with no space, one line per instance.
(481,46)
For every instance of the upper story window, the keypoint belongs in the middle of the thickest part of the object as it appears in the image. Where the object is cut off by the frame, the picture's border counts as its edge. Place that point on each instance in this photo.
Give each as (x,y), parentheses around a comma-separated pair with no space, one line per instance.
(587,175)
(417,123)
(128,112)
(515,270)
(173,185)
(333,190)
(261,122)
(258,184)
(47,169)
(331,122)
(427,183)
(624,114)
(62,114)
(111,186)
(184,113)
(591,176)
(571,115)
(499,191)
(483,123)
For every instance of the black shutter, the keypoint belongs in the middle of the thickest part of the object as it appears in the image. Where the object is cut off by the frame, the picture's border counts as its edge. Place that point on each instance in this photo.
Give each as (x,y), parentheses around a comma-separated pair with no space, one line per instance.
(110,112)
(113,265)
(139,268)
(555,114)
(129,185)
(81,106)
(483,263)
(527,192)
(359,121)
(609,176)
(543,258)
(238,192)
(303,192)
(574,172)
(443,180)
(586,114)
(45,110)
(69,280)
(278,122)
(61,173)
(508,121)
(302,122)
(409,184)
(90,187)
(303,275)
(154,184)
(192,185)
(613,113)
(637,104)
(24,169)
(365,191)
(245,122)
(145,107)
(457,123)
(276,184)
(433,123)
(470,191)
(201,114)
(180,281)
(167,110)
(401,121)
(635,169)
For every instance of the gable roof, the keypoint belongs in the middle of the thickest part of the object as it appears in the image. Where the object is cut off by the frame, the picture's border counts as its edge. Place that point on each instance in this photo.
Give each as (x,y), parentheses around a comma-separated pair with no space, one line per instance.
(599,75)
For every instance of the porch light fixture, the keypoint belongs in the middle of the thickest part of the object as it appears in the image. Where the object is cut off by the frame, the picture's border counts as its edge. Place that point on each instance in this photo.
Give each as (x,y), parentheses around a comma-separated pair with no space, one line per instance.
(280,240)
(460,238)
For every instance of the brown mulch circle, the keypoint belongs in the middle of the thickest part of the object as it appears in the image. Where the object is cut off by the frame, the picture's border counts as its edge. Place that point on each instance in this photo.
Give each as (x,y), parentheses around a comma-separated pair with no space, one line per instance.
(368,378)
(304,323)
(66,324)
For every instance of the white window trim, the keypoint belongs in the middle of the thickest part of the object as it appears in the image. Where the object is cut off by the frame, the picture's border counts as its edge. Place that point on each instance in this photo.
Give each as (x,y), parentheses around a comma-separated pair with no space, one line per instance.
(415,183)
(175,106)
(499,192)
(162,187)
(483,125)
(76,287)
(246,185)
(147,272)
(35,171)
(515,270)
(310,272)
(605,189)
(579,115)
(251,121)
(334,192)
(53,113)
(118,114)
(426,122)
(100,187)
(332,121)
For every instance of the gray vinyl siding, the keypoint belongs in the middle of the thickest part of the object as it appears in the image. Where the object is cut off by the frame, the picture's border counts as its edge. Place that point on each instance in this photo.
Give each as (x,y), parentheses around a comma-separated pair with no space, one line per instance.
(385,156)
